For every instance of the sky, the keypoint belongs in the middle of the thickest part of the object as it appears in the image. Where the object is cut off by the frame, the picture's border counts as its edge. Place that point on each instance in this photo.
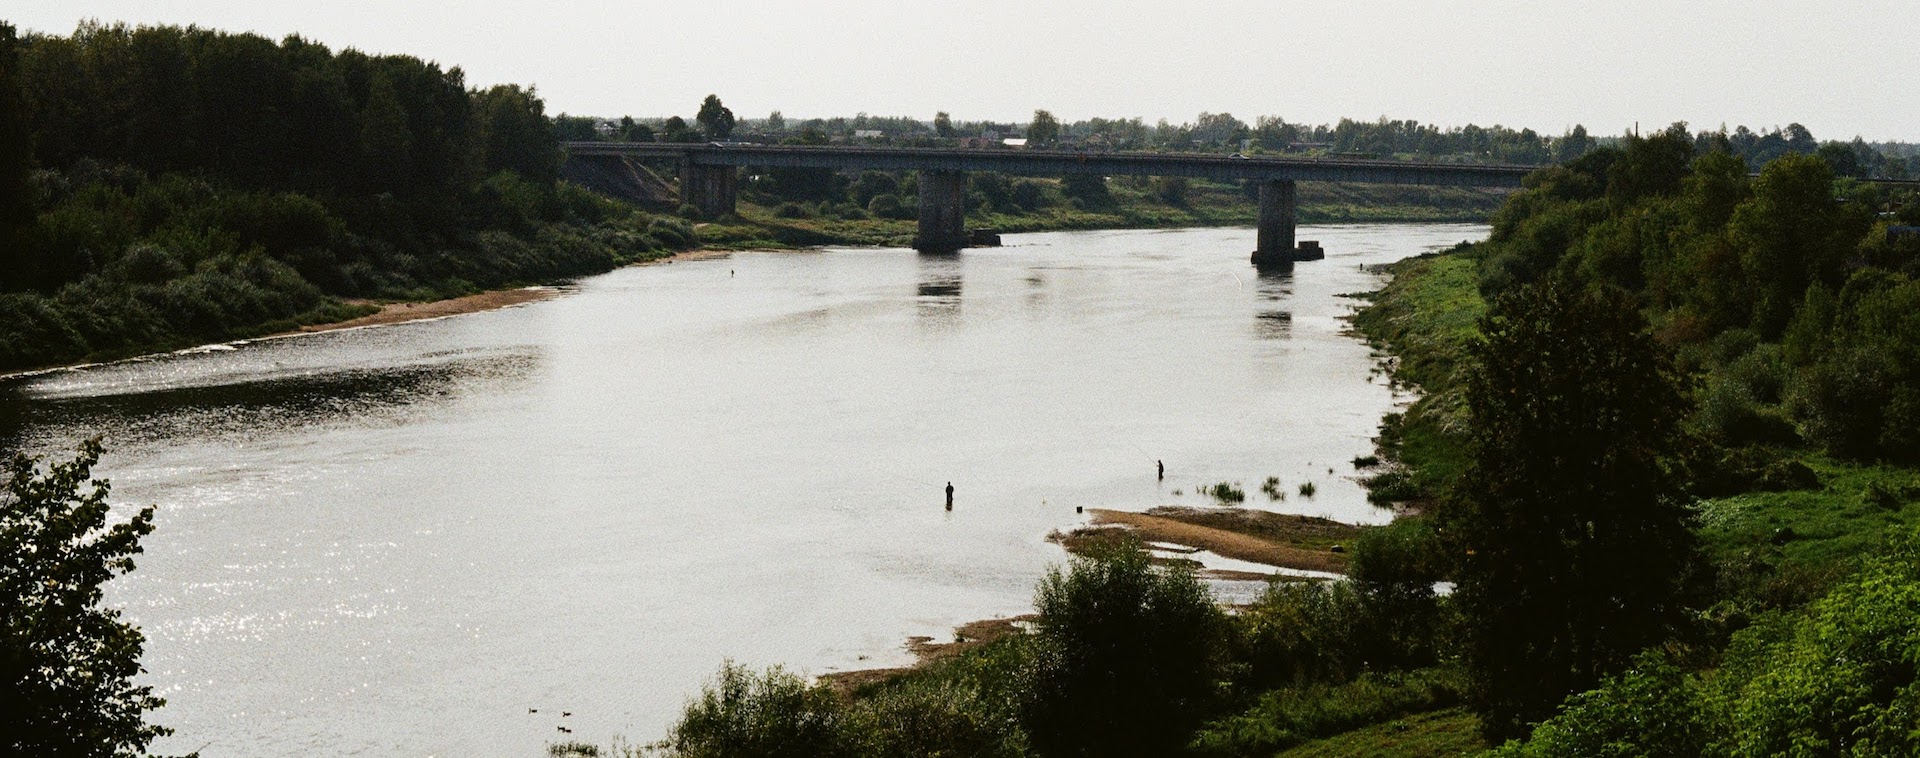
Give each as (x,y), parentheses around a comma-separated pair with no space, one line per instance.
(1840,68)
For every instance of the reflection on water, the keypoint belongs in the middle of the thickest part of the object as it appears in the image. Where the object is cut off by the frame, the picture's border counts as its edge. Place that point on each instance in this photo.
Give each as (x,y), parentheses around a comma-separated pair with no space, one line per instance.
(1274,325)
(400,540)
(235,411)
(939,288)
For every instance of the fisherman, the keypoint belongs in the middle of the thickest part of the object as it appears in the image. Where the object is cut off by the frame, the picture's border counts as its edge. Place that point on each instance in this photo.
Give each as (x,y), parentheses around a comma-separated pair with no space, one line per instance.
(949,495)
(1163,469)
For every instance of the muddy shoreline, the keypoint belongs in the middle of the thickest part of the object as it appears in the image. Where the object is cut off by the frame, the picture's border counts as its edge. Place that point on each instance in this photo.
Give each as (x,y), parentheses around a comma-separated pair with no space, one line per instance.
(389,314)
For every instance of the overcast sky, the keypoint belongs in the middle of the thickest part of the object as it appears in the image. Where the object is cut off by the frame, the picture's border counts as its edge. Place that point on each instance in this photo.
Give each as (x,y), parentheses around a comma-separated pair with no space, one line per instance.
(1841,68)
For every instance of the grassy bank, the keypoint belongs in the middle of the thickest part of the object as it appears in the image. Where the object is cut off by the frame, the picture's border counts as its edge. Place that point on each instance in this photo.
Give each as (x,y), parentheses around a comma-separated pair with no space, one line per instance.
(1425,318)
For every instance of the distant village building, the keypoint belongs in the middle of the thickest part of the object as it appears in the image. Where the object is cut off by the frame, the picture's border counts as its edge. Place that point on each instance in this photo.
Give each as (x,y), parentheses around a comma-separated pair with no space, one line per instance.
(868,134)
(1014,142)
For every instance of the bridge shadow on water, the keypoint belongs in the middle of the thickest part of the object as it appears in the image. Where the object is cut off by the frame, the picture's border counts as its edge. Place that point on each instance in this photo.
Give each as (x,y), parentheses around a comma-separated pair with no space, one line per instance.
(1274,286)
(937,296)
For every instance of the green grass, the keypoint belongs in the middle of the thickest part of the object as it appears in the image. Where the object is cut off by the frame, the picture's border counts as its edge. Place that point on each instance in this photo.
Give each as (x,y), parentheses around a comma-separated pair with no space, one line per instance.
(1829,526)
(1287,717)
(1425,318)
(1449,732)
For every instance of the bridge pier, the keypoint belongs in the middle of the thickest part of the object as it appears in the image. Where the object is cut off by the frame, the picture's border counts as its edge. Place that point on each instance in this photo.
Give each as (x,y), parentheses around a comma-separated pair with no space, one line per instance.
(943,212)
(1278,204)
(712,189)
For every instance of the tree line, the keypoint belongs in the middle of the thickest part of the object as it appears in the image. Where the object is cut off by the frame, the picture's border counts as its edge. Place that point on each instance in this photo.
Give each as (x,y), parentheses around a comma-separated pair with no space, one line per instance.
(168,184)
(1381,138)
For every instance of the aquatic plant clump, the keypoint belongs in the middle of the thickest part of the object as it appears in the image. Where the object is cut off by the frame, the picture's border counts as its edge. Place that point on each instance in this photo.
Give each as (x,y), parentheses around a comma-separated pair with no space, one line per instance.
(1272,488)
(1226,493)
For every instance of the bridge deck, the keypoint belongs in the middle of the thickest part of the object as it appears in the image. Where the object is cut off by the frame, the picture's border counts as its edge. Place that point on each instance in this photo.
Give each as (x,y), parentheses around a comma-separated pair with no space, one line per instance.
(1056,162)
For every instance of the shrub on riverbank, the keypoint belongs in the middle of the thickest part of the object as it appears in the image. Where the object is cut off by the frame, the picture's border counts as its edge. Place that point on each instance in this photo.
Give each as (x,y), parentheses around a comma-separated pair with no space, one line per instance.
(1126,658)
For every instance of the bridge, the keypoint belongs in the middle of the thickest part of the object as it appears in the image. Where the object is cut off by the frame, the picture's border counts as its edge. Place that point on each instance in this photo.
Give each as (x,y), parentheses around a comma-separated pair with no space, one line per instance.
(709,175)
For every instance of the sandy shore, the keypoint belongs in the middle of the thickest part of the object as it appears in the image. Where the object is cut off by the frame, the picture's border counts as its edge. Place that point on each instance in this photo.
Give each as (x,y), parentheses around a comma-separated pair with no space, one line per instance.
(400,313)
(1274,539)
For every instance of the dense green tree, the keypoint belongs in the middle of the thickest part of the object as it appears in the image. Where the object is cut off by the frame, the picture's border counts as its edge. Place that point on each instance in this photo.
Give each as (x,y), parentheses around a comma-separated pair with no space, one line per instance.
(1128,657)
(518,136)
(676,130)
(66,663)
(1841,159)
(1790,234)
(1574,546)
(1575,143)
(776,123)
(16,158)
(716,120)
(1043,130)
(1090,190)
(943,124)
(1652,166)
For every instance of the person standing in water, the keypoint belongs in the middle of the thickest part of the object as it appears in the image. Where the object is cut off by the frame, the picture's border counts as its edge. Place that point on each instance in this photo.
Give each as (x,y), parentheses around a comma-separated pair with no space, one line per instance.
(1163,469)
(949,495)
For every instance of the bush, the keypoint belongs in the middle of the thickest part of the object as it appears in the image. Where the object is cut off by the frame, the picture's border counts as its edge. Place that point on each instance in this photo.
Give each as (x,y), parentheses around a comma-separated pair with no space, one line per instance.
(1731,416)
(943,714)
(1127,657)
(1226,493)
(1030,195)
(884,206)
(792,210)
(766,715)
(1652,709)
(1290,716)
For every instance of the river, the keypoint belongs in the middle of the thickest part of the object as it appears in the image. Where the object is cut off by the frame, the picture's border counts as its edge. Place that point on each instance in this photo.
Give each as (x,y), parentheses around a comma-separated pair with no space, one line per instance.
(401,540)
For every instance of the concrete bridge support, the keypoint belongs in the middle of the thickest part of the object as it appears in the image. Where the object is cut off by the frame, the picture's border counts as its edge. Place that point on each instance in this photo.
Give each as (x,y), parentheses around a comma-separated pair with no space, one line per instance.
(1278,204)
(712,189)
(943,212)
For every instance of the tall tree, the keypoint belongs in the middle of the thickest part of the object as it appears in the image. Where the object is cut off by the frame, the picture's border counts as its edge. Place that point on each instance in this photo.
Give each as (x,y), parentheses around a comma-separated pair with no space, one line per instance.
(676,130)
(943,124)
(715,119)
(1574,542)
(517,135)
(66,663)
(16,150)
(1790,233)
(1044,130)
(1573,145)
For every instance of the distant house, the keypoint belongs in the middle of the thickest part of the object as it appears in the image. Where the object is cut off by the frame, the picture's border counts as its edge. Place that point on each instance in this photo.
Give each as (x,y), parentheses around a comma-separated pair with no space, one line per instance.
(868,134)
(1014,142)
